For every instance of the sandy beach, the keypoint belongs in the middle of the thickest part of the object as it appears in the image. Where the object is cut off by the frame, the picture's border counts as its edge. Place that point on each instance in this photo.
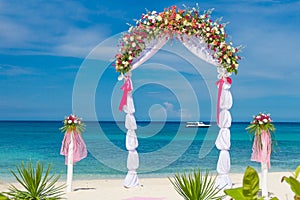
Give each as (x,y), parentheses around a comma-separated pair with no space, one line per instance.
(155,189)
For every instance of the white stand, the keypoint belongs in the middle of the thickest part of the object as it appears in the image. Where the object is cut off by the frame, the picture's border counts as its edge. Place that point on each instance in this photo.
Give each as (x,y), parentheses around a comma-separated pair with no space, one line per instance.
(264,180)
(70,164)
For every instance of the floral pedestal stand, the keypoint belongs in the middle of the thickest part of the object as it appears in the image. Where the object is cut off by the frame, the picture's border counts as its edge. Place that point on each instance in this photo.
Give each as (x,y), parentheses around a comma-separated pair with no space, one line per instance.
(262,147)
(73,146)
(262,153)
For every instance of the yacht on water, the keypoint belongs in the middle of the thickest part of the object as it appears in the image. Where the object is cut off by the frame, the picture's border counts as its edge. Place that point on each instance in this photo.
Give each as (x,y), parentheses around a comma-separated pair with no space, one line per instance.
(196,125)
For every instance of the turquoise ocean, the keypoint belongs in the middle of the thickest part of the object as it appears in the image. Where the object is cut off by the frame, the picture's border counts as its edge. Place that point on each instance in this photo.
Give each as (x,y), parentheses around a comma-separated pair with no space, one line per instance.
(164,148)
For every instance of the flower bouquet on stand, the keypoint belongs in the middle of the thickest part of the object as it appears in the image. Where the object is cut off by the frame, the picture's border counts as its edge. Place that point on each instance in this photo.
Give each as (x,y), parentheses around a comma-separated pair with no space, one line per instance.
(262,129)
(73,146)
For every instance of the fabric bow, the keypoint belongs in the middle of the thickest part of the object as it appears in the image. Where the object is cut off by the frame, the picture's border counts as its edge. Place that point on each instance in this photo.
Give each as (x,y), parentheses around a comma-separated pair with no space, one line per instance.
(126,88)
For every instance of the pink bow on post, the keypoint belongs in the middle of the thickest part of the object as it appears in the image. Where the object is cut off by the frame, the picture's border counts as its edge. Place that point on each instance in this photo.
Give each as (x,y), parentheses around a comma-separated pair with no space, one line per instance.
(220,84)
(126,88)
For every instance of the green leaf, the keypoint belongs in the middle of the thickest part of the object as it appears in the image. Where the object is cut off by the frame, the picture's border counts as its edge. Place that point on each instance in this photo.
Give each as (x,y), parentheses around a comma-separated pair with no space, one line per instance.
(235,193)
(297,172)
(250,183)
(2,197)
(294,184)
(274,198)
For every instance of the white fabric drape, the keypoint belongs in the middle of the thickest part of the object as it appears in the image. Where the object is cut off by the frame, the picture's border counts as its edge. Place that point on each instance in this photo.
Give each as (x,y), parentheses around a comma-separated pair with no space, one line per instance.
(223,139)
(199,48)
(151,49)
(131,178)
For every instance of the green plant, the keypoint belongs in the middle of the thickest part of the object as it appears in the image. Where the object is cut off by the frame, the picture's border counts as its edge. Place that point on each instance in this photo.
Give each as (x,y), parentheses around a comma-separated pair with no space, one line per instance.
(293,182)
(2,197)
(37,184)
(249,189)
(196,186)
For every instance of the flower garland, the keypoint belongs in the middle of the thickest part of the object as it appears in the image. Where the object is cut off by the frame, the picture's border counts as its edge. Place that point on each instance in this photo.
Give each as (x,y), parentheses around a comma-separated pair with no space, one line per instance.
(176,22)
(72,123)
(259,123)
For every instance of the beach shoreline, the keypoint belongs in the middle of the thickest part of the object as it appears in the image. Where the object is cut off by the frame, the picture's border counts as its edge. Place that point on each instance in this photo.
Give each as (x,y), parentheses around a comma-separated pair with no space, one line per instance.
(154,188)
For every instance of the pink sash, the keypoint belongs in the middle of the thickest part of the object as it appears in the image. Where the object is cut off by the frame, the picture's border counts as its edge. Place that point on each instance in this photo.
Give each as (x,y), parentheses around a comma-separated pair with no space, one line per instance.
(126,88)
(262,147)
(79,150)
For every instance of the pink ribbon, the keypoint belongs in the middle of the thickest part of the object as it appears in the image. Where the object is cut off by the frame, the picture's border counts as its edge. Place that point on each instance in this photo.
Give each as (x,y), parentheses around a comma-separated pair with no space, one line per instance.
(126,88)
(262,147)
(79,149)
(220,84)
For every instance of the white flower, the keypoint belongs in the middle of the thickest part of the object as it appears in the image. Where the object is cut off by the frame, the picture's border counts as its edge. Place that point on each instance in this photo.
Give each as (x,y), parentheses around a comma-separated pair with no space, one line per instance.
(130,58)
(75,121)
(153,12)
(159,18)
(265,120)
(131,38)
(69,121)
(133,44)
(260,122)
(178,17)
(207,29)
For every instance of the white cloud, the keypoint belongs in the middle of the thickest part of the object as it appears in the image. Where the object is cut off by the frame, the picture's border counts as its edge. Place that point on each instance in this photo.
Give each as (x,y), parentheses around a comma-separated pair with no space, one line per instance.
(10,70)
(52,27)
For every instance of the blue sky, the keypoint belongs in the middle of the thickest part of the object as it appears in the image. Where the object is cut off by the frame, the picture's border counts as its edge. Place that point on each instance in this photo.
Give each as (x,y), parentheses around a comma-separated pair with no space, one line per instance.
(44,45)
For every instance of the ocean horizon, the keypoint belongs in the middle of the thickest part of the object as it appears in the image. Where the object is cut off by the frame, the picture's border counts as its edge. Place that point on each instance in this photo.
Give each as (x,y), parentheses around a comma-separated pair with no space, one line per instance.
(164,148)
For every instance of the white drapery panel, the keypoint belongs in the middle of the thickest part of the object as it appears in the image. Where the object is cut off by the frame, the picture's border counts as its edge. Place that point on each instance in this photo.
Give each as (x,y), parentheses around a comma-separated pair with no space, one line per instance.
(131,178)
(199,48)
(223,139)
(152,48)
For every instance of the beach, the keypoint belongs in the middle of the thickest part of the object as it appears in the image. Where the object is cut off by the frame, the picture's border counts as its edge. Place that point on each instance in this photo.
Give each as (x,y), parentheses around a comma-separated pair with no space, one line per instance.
(155,188)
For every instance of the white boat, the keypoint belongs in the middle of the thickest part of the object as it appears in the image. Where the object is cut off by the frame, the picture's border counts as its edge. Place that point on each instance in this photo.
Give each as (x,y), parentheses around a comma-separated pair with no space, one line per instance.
(196,125)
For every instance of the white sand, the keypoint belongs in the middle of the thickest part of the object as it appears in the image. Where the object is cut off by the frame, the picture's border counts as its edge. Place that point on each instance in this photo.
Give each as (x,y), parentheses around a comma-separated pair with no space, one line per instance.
(155,189)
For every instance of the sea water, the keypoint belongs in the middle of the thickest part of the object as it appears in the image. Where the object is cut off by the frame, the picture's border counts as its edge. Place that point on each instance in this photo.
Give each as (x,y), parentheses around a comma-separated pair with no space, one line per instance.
(164,148)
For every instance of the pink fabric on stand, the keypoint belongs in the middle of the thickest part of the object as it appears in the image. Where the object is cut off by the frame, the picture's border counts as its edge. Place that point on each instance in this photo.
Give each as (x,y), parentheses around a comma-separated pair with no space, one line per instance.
(79,150)
(261,149)
(126,88)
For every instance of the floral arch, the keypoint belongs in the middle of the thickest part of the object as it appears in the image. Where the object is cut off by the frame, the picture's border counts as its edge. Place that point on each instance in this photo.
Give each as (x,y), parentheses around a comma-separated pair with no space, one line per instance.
(206,39)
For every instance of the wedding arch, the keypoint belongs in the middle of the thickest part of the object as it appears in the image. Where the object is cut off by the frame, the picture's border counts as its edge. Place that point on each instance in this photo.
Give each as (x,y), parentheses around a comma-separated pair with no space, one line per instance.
(202,36)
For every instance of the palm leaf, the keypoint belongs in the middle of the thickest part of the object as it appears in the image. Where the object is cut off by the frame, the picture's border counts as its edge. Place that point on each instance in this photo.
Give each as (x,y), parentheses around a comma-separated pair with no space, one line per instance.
(196,186)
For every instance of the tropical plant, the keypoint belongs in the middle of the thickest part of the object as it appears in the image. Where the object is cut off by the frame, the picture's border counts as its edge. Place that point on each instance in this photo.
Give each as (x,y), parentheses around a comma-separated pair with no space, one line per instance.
(293,182)
(196,186)
(250,187)
(37,184)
